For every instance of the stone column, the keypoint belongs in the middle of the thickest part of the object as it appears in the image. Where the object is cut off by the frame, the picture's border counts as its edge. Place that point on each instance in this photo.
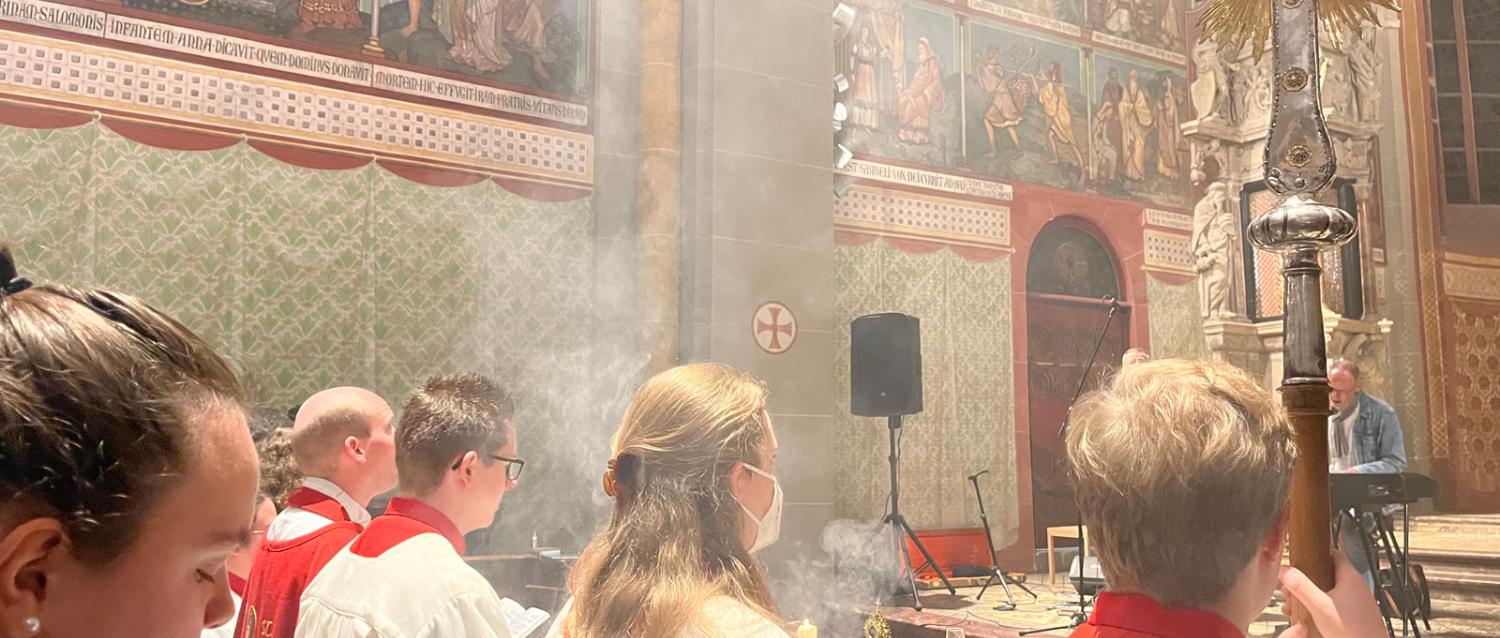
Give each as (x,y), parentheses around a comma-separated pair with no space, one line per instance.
(758,229)
(658,191)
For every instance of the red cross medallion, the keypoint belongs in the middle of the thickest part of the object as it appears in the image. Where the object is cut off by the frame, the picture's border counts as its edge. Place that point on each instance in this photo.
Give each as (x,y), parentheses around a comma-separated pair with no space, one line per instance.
(774,327)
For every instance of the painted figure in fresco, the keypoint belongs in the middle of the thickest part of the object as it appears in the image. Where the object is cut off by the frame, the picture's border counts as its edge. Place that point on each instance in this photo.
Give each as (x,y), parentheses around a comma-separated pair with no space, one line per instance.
(1137,118)
(1171,27)
(1010,95)
(481,28)
(1054,99)
(1110,97)
(1167,131)
(863,81)
(1106,155)
(1118,17)
(478,37)
(890,65)
(922,98)
(327,14)
(410,33)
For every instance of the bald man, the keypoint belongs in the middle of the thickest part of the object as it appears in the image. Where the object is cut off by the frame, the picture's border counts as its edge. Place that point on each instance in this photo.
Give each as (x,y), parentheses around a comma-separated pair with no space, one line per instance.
(1364,437)
(1134,356)
(343,442)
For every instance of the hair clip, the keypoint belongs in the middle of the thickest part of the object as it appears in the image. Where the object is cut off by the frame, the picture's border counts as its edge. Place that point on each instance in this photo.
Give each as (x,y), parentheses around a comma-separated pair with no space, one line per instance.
(626,468)
(611,484)
(12,282)
(14,285)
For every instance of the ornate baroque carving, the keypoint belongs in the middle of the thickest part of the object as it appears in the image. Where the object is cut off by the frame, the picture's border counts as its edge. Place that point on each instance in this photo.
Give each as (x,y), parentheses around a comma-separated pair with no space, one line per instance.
(1364,69)
(1214,242)
(1252,90)
(1354,156)
(1210,89)
(1365,344)
(1337,89)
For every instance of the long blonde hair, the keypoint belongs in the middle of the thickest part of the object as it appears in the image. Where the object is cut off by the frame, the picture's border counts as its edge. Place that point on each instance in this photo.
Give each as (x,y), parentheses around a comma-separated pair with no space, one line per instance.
(674,539)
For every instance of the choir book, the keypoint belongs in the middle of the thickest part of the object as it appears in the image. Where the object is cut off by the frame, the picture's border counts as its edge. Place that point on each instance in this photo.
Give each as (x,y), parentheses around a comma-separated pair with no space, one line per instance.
(522,622)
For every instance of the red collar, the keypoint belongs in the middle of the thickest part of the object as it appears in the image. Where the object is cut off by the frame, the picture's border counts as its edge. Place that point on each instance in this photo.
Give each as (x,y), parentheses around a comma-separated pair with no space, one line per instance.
(1141,614)
(403,519)
(318,503)
(237,585)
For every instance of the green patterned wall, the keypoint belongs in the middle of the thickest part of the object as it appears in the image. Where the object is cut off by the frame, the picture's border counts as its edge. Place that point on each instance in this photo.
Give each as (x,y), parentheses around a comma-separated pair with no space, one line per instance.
(1176,326)
(309,279)
(968,423)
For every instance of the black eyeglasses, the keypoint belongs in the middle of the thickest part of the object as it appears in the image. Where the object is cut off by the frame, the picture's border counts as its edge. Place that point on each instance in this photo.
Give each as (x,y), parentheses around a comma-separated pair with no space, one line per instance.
(513,467)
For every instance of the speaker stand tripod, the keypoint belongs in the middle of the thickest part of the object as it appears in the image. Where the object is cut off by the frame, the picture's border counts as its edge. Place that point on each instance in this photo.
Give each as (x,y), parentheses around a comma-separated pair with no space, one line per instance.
(901,528)
(995,574)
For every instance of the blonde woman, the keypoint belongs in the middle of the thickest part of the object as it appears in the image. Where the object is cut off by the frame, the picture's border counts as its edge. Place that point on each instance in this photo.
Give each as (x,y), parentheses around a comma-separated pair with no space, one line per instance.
(693,478)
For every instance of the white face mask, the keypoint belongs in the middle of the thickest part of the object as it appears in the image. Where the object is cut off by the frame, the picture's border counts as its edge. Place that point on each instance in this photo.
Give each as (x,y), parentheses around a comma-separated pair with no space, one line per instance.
(767,529)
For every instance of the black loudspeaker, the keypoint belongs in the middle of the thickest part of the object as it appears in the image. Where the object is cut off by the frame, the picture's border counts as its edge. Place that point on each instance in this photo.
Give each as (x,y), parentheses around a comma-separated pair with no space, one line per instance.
(885,365)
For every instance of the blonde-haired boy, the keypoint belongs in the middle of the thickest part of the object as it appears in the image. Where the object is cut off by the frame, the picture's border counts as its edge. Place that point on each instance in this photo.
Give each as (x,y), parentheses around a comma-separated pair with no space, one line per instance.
(1182,470)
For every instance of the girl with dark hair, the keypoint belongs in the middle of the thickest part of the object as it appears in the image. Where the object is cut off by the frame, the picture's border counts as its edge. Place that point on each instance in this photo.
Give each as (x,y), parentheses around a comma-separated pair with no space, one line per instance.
(127,475)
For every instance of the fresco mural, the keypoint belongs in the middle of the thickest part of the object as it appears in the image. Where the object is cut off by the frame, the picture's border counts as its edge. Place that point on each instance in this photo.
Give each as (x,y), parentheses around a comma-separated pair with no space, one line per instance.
(902,61)
(1002,91)
(1136,149)
(537,44)
(1025,108)
(1058,15)
(1151,27)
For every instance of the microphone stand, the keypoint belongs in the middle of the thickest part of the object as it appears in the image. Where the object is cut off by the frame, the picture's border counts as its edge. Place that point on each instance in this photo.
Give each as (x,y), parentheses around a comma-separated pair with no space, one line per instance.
(995,573)
(1081,616)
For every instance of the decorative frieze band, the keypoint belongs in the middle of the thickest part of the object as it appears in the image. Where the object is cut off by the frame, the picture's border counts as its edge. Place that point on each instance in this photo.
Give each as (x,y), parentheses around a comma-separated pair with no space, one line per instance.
(884,210)
(227,48)
(1168,251)
(106,78)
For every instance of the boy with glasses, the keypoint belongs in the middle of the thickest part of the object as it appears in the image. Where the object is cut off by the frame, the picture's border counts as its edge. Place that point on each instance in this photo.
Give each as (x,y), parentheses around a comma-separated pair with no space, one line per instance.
(405,577)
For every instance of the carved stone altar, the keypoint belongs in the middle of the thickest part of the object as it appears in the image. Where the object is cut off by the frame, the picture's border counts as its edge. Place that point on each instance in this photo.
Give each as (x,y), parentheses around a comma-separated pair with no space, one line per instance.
(1231,101)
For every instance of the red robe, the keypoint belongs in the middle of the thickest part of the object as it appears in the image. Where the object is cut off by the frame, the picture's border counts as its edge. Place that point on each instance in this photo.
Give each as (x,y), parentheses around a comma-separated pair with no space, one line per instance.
(1136,616)
(283,568)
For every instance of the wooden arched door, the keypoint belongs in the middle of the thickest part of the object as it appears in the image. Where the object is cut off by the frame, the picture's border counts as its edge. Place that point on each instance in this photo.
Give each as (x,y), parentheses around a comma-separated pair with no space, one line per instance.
(1069,274)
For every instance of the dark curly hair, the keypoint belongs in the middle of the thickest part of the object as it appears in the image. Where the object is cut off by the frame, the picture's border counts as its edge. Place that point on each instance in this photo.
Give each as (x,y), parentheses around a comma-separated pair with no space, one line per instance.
(279,475)
(99,393)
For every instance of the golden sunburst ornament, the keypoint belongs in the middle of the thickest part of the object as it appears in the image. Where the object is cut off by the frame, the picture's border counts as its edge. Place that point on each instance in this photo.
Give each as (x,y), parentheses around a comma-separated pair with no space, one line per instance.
(1232,24)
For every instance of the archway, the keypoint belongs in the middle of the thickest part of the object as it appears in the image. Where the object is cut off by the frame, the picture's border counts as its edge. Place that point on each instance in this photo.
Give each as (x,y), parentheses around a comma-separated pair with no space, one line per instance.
(1069,273)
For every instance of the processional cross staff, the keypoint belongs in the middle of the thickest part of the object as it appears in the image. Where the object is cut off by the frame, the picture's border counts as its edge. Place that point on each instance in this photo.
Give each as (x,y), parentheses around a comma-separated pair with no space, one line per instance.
(1299,162)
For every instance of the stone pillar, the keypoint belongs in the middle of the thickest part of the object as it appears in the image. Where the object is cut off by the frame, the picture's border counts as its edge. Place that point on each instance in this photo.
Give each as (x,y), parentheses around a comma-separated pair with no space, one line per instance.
(659,183)
(758,228)
(1401,198)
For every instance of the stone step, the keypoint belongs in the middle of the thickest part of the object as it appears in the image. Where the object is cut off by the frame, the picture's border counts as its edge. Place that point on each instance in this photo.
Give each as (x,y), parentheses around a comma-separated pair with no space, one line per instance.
(1466,610)
(1463,585)
(1455,619)
(1456,559)
(1468,525)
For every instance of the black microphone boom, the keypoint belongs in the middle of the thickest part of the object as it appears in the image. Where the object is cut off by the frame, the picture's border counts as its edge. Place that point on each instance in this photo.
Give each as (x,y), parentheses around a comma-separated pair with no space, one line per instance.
(1082,615)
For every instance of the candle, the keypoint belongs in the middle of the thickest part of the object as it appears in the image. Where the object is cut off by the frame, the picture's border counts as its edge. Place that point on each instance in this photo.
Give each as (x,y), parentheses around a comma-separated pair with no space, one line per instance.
(807,630)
